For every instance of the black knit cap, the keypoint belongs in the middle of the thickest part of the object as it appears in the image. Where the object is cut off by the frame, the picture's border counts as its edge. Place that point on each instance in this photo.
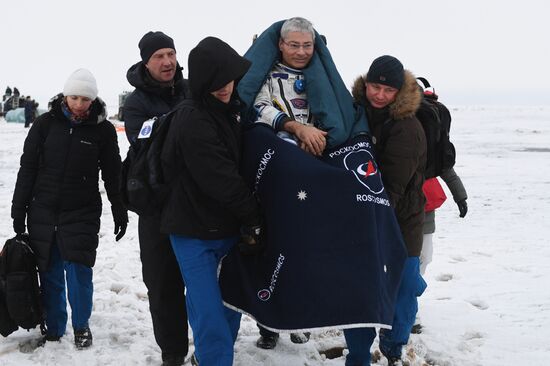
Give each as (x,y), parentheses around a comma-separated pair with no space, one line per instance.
(151,42)
(386,70)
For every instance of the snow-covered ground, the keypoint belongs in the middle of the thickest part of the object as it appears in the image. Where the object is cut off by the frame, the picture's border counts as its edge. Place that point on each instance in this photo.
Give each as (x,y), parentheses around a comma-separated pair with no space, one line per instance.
(487,302)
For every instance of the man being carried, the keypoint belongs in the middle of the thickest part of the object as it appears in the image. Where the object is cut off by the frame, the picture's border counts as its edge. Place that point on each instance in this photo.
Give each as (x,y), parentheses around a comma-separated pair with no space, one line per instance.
(300,111)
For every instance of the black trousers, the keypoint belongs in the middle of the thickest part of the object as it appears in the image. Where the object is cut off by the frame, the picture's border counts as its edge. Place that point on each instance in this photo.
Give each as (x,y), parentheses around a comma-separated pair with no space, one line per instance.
(165,288)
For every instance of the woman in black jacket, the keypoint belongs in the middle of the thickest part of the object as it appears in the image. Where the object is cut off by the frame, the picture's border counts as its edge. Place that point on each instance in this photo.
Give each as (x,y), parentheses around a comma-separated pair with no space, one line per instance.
(57,192)
(209,200)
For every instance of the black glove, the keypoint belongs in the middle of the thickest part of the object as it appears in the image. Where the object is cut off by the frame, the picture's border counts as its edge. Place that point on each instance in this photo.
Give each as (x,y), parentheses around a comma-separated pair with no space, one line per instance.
(251,243)
(120,217)
(19,225)
(462,207)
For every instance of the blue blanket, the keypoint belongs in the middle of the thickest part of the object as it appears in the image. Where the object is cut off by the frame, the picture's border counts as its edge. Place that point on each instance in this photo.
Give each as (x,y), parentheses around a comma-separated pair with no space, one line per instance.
(334,253)
(328,97)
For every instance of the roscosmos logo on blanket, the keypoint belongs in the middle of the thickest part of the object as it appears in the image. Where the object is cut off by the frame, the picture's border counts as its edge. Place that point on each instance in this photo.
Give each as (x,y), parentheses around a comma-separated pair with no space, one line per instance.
(265,294)
(362,164)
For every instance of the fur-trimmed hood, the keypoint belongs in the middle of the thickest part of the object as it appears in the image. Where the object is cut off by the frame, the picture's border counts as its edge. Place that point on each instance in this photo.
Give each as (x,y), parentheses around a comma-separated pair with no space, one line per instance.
(406,103)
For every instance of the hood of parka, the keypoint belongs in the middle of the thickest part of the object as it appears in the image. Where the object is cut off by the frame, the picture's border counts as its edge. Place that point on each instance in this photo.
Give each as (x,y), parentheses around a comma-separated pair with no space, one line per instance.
(212,65)
(406,102)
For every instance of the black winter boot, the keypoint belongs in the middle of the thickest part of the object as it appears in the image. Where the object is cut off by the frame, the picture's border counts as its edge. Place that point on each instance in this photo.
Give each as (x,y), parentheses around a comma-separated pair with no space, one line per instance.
(83,338)
(47,338)
(416,329)
(300,338)
(172,359)
(392,360)
(268,341)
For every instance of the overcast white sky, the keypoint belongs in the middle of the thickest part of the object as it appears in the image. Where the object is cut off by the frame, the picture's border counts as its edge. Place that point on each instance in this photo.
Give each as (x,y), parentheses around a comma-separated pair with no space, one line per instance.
(475,52)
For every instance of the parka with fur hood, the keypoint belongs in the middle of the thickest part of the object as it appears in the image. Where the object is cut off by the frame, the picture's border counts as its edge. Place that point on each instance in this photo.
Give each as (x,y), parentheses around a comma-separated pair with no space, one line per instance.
(402,159)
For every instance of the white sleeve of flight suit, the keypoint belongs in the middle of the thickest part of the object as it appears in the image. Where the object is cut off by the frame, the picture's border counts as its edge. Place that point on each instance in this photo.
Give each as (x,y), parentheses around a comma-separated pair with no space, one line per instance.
(269,110)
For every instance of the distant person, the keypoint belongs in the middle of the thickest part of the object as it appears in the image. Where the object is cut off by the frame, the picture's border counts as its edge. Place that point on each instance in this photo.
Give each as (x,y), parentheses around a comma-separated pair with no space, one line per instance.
(388,92)
(7,94)
(57,193)
(160,86)
(30,110)
(210,206)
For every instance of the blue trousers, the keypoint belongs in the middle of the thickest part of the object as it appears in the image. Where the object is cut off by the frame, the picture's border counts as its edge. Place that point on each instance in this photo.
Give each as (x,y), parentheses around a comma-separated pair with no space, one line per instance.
(359,340)
(406,307)
(79,288)
(215,327)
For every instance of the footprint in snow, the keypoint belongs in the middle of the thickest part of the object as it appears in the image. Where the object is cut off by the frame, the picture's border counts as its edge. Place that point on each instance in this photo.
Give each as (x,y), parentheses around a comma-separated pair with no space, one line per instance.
(480,304)
(518,269)
(444,277)
(468,336)
(482,254)
(458,258)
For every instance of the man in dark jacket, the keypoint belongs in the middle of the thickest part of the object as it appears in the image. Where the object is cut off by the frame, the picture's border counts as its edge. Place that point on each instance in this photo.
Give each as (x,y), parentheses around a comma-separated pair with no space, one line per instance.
(391,97)
(160,86)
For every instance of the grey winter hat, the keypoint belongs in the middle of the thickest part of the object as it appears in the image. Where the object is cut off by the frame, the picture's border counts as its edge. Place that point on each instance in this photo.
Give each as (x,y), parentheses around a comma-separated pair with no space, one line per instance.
(386,70)
(151,42)
(81,83)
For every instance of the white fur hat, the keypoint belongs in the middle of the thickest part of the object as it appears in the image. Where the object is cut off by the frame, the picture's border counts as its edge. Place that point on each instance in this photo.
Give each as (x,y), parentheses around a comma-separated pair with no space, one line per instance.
(81,83)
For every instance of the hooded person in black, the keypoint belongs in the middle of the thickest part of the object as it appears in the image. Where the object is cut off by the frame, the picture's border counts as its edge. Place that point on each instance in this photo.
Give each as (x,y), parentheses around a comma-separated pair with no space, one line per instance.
(160,86)
(209,204)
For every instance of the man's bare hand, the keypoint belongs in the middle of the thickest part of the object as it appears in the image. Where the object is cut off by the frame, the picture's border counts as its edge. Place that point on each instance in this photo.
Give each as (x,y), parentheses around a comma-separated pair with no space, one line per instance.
(312,139)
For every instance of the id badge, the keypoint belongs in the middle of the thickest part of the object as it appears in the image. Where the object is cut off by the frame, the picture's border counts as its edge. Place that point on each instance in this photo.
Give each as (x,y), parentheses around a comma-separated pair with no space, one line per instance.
(146,129)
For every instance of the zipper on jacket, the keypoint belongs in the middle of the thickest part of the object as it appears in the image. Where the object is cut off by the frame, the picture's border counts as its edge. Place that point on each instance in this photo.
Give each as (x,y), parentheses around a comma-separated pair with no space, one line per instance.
(58,207)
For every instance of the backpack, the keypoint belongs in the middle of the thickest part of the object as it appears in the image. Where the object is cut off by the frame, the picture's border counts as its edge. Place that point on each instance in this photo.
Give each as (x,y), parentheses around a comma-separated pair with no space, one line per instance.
(20,303)
(144,187)
(435,118)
